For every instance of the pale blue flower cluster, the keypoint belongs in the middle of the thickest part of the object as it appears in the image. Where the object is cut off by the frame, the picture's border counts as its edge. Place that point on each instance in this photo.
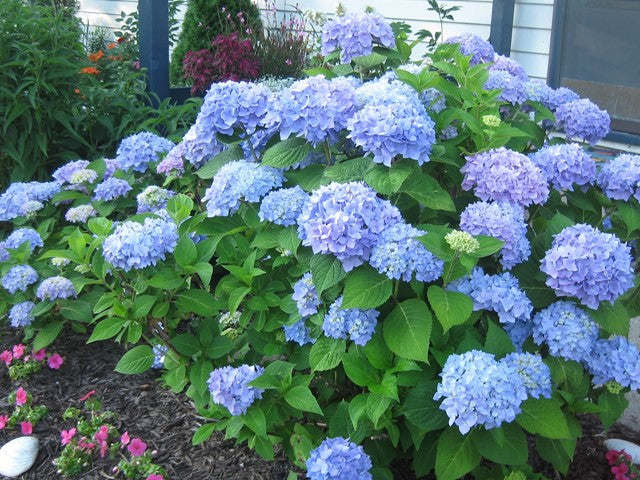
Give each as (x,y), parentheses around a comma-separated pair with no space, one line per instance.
(200,143)
(80,214)
(567,330)
(513,89)
(173,163)
(518,332)
(159,352)
(398,255)
(583,119)
(539,91)
(63,174)
(298,332)
(393,121)
(84,175)
(229,387)
(472,44)
(306,296)
(139,245)
(588,264)
(534,373)
(560,96)
(565,165)
(345,219)
(433,99)
(153,198)
(238,181)
(17,238)
(478,390)
(18,278)
(137,151)
(509,65)
(355,35)
(53,288)
(14,201)
(501,220)
(620,178)
(111,165)
(30,207)
(504,175)
(21,314)
(616,360)
(283,206)
(111,189)
(314,108)
(338,459)
(499,293)
(353,323)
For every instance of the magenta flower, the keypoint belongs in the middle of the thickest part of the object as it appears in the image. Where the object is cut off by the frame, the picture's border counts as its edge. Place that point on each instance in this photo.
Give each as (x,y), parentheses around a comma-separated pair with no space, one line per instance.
(21,396)
(40,355)
(137,447)
(26,427)
(67,435)
(125,439)
(155,476)
(55,361)
(102,434)
(18,350)
(86,445)
(3,421)
(6,357)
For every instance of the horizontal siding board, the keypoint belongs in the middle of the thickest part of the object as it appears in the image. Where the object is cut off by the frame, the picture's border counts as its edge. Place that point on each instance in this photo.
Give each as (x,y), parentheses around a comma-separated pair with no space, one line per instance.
(535,64)
(533,16)
(531,40)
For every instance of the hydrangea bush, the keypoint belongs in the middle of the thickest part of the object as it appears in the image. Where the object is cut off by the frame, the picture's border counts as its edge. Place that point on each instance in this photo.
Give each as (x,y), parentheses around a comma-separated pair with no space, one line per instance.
(344,270)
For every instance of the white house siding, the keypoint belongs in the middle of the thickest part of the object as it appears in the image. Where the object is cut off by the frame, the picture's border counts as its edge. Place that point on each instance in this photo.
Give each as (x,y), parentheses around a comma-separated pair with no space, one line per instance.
(531,33)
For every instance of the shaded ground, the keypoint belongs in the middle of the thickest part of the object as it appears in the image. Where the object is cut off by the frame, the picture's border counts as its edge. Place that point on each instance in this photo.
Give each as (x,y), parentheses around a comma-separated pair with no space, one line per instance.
(166,422)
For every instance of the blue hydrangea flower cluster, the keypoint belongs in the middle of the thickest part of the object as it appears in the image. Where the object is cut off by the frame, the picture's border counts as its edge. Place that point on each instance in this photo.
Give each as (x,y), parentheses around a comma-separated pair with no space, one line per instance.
(159,352)
(393,122)
(353,323)
(501,220)
(355,35)
(17,238)
(338,459)
(513,89)
(345,219)
(63,174)
(398,255)
(620,177)
(478,390)
(283,206)
(18,278)
(237,181)
(306,296)
(539,91)
(137,151)
(314,108)
(111,189)
(583,119)
(509,65)
(173,163)
(111,165)
(504,175)
(21,314)
(588,264)
(14,201)
(153,198)
(518,332)
(616,360)
(229,387)
(560,96)
(31,207)
(472,44)
(567,330)
(565,165)
(56,287)
(298,332)
(497,293)
(200,143)
(534,373)
(139,245)
(80,214)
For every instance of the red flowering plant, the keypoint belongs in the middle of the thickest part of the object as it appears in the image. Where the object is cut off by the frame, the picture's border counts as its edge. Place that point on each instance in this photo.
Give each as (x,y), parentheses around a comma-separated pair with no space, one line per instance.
(24,413)
(21,364)
(622,466)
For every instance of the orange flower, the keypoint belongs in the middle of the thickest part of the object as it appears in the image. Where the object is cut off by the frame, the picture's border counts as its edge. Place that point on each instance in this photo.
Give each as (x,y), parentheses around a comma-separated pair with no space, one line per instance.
(76,91)
(90,70)
(114,57)
(111,46)
(94,57)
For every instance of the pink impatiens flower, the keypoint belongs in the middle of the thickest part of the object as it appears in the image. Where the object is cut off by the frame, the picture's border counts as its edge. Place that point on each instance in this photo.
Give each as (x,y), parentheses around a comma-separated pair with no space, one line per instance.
(40,355)
(88,395)
(125,439)
(67,435)
(102,434)
(83,444)
(137,447)
(55,361)
(155,476)
(18,350)
(6,357)
(26,428)
(4,419)
(21,396)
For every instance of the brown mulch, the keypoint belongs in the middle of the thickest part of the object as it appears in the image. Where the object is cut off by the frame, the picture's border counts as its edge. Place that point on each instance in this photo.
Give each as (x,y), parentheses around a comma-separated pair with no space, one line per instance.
(166,422)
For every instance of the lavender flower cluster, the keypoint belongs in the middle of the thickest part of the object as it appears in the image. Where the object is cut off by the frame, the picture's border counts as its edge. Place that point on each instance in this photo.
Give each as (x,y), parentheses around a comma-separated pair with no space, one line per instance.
(620,177)
(472,44)
(229,387)
(53,288)
(19,197)
(338,459)
(513,88)
(111,189)
(137,151)
(306,296)
(615,359)
(63,174)
(565,165)
(18,278)
(583,119)
(21,314)
(17,238)
(283,206)
(355,324)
